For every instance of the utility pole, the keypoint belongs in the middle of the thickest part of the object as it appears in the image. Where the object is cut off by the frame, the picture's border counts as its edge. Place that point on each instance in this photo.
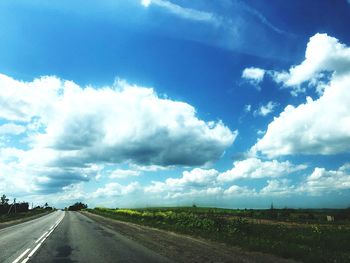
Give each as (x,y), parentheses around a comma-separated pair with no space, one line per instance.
(13,204)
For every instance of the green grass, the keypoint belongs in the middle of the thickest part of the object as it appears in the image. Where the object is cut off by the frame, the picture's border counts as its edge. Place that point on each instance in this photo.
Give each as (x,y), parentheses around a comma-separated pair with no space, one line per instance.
(311,241)
(11,217)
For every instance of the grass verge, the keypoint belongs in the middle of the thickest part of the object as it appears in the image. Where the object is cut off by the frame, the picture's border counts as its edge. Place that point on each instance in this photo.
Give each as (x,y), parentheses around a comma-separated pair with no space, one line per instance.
(305,242)
(6,219)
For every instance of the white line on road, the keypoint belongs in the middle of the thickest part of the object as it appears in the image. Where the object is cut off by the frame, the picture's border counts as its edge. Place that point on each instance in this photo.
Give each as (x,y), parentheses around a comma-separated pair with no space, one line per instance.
(35,249)
(41,239)
(21,256)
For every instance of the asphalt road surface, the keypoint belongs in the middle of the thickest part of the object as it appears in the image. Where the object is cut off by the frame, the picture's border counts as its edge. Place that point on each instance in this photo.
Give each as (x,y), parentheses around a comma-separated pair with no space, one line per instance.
(69,237)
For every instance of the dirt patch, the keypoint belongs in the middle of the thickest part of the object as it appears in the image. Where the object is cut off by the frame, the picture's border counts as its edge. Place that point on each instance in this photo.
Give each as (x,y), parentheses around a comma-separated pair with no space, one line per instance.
(182,248)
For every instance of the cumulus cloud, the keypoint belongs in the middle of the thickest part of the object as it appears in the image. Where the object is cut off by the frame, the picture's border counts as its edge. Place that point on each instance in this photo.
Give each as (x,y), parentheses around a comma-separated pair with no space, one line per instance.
(190,180)
(323,54)
(253,168)
(119,173)
(130,123)
(275,187)
(254,76)
(21,101)
(202,182)
(235,190)
(322,181)
(318,126)
(267,109)
(30,171)
(116,189)
(71,131)
(199,184)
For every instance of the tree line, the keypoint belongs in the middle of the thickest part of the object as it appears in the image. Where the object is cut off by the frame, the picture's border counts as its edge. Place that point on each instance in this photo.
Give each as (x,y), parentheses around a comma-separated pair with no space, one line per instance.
(7,207)
(77,206)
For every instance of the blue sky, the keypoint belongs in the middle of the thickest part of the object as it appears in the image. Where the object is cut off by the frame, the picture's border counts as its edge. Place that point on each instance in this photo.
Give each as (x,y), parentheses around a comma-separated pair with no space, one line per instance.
(163,102)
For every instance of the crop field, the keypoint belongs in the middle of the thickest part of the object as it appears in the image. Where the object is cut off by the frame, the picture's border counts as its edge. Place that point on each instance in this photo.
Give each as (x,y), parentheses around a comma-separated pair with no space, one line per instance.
(304,235)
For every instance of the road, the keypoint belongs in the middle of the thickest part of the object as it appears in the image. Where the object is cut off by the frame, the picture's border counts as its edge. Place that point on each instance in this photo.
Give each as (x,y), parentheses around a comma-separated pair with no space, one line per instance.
(69,237)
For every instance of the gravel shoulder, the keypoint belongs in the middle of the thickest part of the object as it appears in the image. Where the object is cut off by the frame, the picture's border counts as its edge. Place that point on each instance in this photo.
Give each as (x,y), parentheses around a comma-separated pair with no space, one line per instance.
(183,248)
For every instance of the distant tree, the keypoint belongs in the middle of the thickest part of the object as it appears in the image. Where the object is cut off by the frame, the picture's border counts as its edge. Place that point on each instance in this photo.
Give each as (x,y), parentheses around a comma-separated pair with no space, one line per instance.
(4,200)
(77,206)
(47,207)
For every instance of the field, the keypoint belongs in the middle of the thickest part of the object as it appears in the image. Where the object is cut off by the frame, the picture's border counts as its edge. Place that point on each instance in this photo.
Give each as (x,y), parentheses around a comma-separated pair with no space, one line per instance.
(304,235)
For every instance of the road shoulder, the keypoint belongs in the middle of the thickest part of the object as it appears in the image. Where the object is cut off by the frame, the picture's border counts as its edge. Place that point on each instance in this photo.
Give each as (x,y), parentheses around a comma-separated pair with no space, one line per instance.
(183,248)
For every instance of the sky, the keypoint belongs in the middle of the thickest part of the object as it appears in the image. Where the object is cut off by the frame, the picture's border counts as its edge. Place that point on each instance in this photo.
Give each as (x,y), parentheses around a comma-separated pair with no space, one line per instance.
(141,103)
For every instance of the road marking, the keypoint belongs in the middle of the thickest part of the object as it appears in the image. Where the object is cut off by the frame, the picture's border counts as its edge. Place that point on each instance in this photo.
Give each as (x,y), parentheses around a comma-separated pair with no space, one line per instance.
(35,249)
(40,240)
(40,237)
(21,256)
(50,233)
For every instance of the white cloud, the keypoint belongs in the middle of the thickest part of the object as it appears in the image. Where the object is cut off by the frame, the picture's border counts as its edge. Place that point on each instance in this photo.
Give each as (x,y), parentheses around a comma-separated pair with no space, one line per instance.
(323,181)
(119,173)
(254,75)
(72,193)
(74,131)
(247,108)
(253,168)
(196,193)
(277,187)
(183,12)
(323,53)
(149,168)
(131,123)
(240,191)
(202,182)
(199,184)
(320,126)
(21,101)
(115,189)
(196,178)
(265,110)
(11,128)
(146,3)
